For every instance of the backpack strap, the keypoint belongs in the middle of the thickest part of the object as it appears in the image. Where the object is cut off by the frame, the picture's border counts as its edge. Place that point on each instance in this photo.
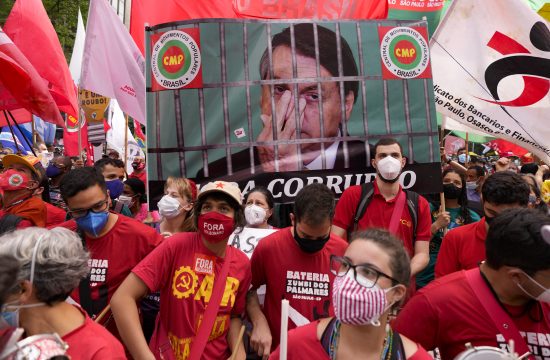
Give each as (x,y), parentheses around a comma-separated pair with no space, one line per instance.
(412,205)
(367,190)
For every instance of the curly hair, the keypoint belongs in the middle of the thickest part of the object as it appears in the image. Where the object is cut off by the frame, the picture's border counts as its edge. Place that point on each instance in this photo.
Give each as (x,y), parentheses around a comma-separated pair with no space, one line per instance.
(60,264)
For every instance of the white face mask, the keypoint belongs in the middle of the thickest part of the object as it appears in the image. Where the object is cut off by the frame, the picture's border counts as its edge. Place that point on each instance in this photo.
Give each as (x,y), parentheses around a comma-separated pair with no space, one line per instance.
(254,214)
(125,200)
(543,297)
(389,168)
(471,185)
(169,207)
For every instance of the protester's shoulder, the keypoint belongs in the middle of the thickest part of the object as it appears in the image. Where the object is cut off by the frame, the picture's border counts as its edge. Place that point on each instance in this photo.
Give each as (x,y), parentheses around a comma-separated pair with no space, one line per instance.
(352,191)
(239,257)
(134,227)
(462,231)
(273,240)
(337,242)
(423,202)
(440,288)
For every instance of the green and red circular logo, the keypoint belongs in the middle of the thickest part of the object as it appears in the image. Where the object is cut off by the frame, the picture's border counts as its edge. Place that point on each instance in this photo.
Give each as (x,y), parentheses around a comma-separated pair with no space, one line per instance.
(404,52)
(176,59)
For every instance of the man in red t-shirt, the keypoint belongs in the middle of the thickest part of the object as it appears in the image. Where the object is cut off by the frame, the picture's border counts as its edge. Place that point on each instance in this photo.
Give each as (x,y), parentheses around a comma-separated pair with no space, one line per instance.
(139,170)
(116,243)
(294,264)
(19,182)
(388,162)
(464,247)
(512,287)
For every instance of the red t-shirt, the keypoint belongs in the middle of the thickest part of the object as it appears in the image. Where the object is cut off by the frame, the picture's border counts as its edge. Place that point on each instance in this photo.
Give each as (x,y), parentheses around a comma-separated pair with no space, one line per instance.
(303,344)
(462,248)
(141,176)
(112,257)
(379,212)
(288,272)
(183,269)
(447,314)
(92,341)
(54,215)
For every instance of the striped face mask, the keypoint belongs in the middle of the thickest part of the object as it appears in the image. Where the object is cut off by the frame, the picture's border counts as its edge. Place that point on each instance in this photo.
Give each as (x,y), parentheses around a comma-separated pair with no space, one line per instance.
(355,304)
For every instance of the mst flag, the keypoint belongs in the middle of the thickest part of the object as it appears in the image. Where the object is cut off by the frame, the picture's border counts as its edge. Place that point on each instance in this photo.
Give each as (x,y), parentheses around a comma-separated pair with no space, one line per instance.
(113,65)
(21,86)
(29,26)
(491,71)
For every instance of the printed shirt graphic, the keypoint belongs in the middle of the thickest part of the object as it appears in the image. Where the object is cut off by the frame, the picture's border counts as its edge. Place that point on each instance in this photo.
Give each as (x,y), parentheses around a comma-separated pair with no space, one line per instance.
(112,257)
(435,319)
(184,271)
(303,279)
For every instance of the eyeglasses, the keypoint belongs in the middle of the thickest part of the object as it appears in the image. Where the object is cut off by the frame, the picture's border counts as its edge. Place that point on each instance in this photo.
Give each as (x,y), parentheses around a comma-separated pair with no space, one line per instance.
(364,274)
(97,208)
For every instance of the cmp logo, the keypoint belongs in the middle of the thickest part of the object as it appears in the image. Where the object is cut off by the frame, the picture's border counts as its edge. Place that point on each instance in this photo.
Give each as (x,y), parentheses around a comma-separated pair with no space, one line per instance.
(404,52)
(176,59)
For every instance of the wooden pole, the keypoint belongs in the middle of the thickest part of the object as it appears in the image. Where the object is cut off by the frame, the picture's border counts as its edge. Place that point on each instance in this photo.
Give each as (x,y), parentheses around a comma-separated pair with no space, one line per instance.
(467,152)
(237,342)
(126,142)
(79,124)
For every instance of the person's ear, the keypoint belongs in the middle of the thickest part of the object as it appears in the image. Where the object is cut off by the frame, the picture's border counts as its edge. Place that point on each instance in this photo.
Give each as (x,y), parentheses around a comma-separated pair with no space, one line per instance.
(350,98)
(26,291)
(403,161)
(397,294)
(188,207)
(373,163)
(38,191)
(292,218)
(268,213)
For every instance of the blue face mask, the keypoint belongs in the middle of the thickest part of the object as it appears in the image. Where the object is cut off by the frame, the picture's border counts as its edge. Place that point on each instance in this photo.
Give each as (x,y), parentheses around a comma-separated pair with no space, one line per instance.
(93,223)
(52,171)
(462,158)
(10,318)
(115,188)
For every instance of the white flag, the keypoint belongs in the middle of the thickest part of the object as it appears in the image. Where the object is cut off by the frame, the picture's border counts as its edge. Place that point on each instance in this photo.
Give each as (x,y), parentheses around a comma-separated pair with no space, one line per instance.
(115,136)
(113,65)
(75,66)
(491,71)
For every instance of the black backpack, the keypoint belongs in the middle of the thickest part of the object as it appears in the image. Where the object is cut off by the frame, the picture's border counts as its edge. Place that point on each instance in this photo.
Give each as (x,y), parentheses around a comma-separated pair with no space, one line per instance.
(367,190)
(9,222)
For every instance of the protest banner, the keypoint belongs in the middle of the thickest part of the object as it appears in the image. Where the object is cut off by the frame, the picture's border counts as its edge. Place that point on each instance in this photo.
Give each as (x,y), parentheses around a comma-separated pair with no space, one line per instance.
(369,80)
(491,64)
(247,239)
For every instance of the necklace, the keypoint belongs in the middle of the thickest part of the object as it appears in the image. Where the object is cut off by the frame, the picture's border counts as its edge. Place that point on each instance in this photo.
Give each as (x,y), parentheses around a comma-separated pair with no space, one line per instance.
(335,337)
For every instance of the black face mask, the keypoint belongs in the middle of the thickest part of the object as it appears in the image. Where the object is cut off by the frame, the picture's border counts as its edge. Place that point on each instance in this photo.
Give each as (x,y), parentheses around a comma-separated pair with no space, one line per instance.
(135,166)
(489,220)
(451,191)
(310,246)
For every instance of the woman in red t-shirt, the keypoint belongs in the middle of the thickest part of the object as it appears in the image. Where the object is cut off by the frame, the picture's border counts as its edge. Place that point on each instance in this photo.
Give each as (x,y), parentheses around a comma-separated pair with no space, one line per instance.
(52,264)
(190,270)
(371,279)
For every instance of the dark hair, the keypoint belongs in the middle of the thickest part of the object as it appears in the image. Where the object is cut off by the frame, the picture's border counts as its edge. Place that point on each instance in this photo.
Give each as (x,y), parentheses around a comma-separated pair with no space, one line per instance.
(304,41)
(542,206)
(459,150)
(514,239)
(9,267)
(400,263)
(314,204)
(239,219)
(480,171)
(505,187)
(66,161)
(138,187)
(80,179)
(386,142)
(262,190)
(463,197)
(530,168)
(101,163)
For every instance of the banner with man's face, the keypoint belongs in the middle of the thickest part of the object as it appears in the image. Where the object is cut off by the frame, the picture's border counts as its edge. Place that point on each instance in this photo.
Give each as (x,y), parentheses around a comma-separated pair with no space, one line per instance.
(287,103)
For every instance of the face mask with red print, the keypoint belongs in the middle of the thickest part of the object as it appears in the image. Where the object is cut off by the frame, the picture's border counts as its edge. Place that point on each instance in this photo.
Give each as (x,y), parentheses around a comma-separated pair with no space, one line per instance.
(215,227)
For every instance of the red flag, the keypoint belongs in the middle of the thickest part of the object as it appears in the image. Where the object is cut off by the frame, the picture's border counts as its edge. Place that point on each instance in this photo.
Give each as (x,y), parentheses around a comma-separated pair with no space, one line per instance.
(29,26)
(506,148)
(21,86)
(148,11)
(70,136)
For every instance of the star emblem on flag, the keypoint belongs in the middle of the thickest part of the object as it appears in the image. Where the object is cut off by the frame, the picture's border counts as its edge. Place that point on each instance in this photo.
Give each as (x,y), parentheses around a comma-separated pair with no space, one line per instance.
(219,185)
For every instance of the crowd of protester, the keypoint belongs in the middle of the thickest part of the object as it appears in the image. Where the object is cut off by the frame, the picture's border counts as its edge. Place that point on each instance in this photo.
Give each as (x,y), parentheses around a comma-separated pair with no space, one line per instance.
(88,268)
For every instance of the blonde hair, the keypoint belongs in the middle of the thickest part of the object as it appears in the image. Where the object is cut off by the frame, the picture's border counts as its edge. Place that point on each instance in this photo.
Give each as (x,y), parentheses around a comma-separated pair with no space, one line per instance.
(186,189)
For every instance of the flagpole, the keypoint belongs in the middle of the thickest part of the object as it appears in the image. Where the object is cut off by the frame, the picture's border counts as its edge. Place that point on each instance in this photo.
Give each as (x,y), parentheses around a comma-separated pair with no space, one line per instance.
(32,131)
(12,133)
(79,125)
(126,142)
(467,151)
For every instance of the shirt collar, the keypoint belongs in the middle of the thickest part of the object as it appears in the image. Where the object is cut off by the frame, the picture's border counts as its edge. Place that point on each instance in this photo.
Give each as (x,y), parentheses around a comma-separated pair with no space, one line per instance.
(330,157)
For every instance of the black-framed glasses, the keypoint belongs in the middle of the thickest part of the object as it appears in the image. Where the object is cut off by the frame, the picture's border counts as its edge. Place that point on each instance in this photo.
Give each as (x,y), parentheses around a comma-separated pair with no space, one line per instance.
(97,208)
(364,274)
